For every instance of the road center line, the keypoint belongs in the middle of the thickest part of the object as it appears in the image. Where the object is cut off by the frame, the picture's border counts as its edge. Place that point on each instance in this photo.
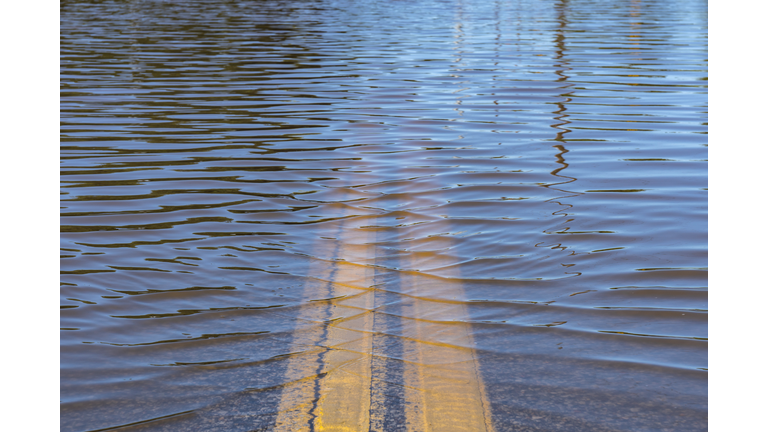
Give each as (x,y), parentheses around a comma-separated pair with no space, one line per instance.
(330,389)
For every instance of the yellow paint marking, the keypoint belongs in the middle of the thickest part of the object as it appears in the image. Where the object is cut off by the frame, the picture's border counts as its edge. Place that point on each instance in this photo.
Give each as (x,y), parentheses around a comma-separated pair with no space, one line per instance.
(330,388)
(444,388)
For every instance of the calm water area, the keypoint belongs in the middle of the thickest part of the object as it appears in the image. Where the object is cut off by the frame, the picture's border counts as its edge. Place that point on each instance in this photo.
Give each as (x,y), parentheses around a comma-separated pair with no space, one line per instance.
(426,215)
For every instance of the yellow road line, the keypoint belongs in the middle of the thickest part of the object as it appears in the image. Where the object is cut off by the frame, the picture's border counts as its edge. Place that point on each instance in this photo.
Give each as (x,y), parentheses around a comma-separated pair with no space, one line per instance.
(330,387)
(444,387)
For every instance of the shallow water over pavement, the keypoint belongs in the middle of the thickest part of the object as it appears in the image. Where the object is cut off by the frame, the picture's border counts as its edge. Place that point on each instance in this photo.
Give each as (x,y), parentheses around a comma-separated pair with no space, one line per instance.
(384,215)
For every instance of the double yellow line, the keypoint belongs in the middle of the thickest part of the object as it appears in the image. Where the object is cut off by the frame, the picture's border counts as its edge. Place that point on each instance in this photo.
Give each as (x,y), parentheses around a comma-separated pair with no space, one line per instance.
(329,384)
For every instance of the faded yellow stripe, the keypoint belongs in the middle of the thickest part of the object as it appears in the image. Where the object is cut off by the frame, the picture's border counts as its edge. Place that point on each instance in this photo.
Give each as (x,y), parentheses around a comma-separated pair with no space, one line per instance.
(329,386)
(444,388)
(329,382)
(345,389)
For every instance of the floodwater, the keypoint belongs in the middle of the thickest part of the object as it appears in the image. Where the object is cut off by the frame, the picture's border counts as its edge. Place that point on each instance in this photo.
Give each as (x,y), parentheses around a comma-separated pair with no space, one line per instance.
(359,215)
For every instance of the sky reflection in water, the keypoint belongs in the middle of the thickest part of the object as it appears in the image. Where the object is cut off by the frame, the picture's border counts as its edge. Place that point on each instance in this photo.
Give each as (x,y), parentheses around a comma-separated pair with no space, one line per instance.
(384,215)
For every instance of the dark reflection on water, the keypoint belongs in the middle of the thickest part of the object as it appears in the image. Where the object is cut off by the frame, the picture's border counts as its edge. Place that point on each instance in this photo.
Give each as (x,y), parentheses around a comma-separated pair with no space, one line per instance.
(532,172)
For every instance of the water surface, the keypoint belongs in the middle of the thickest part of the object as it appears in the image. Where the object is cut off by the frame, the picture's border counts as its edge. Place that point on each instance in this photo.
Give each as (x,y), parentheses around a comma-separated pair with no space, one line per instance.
(384,215)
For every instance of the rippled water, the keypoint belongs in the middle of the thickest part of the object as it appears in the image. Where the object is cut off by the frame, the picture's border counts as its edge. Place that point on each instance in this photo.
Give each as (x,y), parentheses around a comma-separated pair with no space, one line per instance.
(384,215)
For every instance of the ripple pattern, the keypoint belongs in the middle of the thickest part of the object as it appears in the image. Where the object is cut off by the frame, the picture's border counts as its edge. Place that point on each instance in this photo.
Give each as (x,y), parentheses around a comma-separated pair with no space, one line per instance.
(256,195)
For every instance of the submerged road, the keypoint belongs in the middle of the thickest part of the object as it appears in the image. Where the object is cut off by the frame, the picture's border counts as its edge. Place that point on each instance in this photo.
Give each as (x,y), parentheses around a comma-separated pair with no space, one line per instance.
(374,215)
(341,385)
